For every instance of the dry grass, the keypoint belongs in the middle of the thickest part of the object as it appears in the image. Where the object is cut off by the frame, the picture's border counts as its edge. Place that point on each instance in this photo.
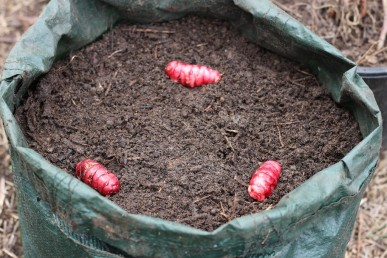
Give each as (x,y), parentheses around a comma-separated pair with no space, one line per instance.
(15,17)
(10,243)
(369,237)
(353,26)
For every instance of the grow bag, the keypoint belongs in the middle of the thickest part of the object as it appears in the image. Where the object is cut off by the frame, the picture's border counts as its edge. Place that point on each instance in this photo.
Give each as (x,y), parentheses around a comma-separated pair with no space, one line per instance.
(376,78)
(62,217)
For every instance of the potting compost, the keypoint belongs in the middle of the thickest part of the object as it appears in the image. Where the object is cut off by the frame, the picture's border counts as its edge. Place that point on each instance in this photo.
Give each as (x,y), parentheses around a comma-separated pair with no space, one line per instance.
(185,156)
(182,154)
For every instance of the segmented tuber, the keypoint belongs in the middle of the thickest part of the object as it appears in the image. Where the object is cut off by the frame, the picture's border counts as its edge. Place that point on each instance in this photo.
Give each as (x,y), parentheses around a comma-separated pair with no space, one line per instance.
(191,75)
(98,177)
(264,180)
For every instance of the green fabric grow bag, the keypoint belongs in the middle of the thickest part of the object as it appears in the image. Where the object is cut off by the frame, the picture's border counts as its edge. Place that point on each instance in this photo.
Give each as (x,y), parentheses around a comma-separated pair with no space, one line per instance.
(62,217)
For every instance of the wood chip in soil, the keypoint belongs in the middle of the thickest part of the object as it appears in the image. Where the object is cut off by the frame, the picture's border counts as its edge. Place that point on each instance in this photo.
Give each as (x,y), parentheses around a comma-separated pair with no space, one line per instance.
(183,154)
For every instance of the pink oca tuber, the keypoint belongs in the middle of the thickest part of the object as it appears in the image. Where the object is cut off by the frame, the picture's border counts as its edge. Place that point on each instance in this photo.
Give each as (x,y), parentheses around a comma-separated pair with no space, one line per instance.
(191,75)
(98,177)
(264,180)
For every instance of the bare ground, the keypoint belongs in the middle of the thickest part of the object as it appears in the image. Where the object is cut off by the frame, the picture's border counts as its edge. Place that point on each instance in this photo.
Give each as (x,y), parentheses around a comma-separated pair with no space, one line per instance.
(369,238)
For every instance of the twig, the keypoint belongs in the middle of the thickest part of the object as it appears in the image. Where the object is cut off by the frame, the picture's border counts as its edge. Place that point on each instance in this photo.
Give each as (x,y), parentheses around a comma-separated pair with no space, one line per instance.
(297,84)
(363,8)
(290,10)
(110,84)
(9,253)
(8,39)
(231,131)
(363,57)
(152,31)
(201,199)
(380,51)
(374,231)
(279,134)
(132,82)
(223,212)
(383,33)
(301,79)
(234,205)
(303,72)
(359,235)
(228,142)
(73,57)
(115,52)
(155,53)
(239,181)
(285,123)
(208,108)
(2,193)
(353,19)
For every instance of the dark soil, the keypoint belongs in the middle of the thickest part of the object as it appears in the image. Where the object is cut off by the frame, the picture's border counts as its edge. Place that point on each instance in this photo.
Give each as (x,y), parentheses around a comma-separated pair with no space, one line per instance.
(183,154)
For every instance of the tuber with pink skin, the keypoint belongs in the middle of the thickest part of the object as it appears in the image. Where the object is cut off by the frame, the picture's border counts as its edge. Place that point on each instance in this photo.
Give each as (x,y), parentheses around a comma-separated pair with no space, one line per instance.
(264,180)
(98,177)
(190,75)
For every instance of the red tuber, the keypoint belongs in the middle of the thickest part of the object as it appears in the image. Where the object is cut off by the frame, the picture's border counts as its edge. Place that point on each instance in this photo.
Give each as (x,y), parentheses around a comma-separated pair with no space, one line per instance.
(264,180)
(97,176)
(191,75)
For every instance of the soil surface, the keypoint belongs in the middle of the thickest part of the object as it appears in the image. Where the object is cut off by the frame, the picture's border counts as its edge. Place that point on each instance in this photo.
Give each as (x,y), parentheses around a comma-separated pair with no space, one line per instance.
(183,154)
